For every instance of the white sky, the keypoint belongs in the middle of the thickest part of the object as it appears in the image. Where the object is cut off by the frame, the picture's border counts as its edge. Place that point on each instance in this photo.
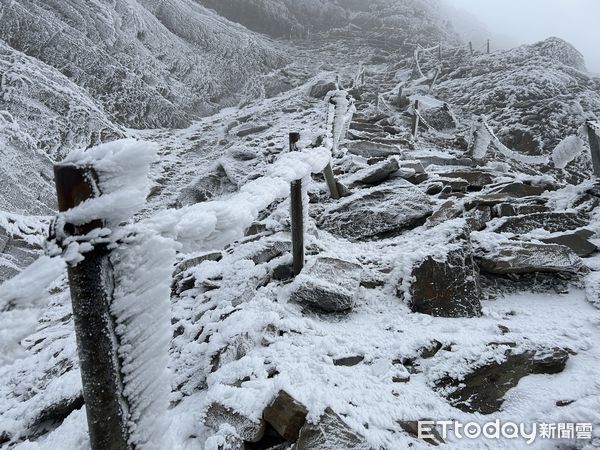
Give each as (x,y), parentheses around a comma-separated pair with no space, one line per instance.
(527,21)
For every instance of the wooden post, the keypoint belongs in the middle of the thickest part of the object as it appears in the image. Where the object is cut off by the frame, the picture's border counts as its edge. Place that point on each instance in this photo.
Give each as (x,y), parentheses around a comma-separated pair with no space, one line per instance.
(440,51)
(297,215)
(399,98)
(471,47)
(362,77)
(92,284)
(594,139)
(435,77)
(488,46)
(415,128)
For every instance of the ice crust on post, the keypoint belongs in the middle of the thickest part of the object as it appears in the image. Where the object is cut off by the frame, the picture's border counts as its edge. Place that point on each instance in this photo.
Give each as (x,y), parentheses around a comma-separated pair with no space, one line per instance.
(142,264)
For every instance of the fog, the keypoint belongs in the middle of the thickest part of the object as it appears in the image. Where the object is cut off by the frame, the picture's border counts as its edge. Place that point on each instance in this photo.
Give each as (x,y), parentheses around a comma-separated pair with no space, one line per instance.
(528,21)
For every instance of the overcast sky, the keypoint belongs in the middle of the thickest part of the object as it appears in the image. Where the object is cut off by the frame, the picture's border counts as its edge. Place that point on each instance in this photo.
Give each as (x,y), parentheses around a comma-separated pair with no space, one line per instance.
(527,21)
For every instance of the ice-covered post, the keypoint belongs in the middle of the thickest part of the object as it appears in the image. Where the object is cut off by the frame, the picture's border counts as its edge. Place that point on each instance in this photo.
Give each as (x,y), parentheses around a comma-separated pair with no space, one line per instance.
(471,47)
(434,79)
(415,125)
(297,215)
(92,284)
(594,138)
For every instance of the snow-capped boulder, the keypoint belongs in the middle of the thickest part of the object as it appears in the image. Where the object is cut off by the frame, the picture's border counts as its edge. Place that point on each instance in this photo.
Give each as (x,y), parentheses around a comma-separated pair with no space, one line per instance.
(374,174)
(286,415)
(378,212)
(553,222)
(328,284)
(321,88)
(527,257)
(577,241)
(247,429)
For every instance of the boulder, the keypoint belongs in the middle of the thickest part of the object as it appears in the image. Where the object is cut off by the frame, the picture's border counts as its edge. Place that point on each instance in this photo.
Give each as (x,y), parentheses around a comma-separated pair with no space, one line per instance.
(477,218)
(526,257)
(348,361)
(518,190)
(328,284)
(440,118)
(553,222)
(483,389)
(477,179)
(370,149)
(331,432)
(249,430)
(374,174)
(438,160)
(447,287)
(321,88)
(577,241)
(378,212)
(286,416)
(448,210)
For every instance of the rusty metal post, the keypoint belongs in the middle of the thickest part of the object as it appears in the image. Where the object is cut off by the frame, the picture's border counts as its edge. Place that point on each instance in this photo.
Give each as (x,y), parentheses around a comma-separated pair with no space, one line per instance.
(594,138)
(415,127)
(297,215)
(92,284)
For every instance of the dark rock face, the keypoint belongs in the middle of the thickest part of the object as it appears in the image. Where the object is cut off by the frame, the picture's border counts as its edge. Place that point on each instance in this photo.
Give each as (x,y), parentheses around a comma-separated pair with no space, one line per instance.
(519,190)
(483,389)
(286,416)
(448,288)
(249,430)
(477,179)
(511,209)
(328,284)
(331,432)
(526,257)
(553,222)
(578,242)
(378,212)
(440,118)
(322,88)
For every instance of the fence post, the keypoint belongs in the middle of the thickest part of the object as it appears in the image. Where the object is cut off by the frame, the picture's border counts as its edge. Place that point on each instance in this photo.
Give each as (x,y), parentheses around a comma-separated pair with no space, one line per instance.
(594,139)
(415,127)
(440,51)
(91,285)
(488,46)
(435,77)
(297,215)
(471,47)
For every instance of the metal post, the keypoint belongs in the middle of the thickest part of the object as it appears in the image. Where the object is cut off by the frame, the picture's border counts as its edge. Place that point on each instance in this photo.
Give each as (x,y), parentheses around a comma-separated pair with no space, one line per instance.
(92,285)
(297,215)
(471,47)
(594,139)
(415,129)
(488,46)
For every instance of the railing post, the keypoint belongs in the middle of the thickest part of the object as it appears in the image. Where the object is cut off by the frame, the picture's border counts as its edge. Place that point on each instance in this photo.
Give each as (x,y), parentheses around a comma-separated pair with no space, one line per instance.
(471,47)
(435,77)
(594,139)
(92,284)
(415,127)
(488,46)
(440,51)
(297,215)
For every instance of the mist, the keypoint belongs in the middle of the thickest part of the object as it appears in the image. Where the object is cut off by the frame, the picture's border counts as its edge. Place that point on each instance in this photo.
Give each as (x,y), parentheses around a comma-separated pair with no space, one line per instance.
(514,22)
